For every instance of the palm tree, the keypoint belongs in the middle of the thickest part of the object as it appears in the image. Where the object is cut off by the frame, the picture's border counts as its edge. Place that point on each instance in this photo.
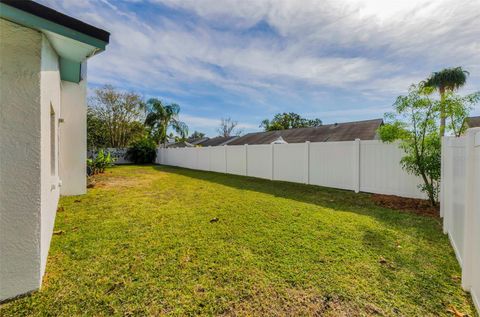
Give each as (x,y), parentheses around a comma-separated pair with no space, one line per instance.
(446,80)
(160,117)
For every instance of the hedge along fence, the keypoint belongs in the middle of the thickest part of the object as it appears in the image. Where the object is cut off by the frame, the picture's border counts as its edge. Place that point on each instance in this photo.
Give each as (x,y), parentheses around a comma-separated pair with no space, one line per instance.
(367,166)
(460,205)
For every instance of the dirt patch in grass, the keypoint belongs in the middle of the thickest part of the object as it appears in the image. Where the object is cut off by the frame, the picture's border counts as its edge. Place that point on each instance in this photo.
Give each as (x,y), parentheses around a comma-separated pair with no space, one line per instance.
(107,182)
(291,302)
(418,206)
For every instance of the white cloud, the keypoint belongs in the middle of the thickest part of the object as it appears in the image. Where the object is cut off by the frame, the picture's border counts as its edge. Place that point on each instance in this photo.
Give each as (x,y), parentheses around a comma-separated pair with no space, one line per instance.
(210,125)
(371,48)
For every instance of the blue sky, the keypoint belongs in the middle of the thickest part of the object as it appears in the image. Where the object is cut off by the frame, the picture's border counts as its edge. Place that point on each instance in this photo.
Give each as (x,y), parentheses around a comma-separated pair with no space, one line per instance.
(335,60)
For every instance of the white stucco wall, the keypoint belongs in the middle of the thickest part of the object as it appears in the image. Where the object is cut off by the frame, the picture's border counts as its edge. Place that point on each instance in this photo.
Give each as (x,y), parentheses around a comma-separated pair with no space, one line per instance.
(29,172)
(20,152)
(50,99)
(73,138)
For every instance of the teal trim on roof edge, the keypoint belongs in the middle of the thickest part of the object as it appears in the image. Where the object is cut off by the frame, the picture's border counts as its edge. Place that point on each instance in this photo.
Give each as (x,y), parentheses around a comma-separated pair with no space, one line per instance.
(29,20)
(70,70)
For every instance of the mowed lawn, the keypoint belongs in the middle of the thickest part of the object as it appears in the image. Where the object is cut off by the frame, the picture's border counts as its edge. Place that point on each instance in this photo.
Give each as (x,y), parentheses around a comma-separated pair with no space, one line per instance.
(143,242)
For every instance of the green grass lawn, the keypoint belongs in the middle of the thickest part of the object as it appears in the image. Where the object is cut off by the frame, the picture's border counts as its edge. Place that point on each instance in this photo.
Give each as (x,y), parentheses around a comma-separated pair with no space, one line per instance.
(142,243)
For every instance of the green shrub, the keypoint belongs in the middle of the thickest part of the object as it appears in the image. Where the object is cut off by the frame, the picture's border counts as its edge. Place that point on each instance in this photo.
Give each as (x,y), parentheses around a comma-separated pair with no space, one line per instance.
(99,163)
(142,152)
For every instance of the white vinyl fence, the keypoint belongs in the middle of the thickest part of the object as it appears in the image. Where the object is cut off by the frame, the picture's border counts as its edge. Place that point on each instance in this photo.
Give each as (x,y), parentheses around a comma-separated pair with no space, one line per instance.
(368,166)
(460,204)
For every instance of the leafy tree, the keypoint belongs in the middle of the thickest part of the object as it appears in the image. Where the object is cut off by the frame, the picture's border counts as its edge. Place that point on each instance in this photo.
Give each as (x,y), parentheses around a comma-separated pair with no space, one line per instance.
(197,135)
(143,151)
(284,121)
(414,124)
(457,108)
(446,80)
(228,127)
(97,134)
(161,117)
(116,115)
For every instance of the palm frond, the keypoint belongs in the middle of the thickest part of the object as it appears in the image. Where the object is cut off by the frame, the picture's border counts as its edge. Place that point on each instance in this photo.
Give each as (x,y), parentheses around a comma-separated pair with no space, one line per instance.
(447,79)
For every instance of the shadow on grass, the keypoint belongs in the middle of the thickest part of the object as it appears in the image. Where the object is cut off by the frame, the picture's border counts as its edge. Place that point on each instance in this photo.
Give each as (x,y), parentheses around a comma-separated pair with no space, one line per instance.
(376,240)
(336,199)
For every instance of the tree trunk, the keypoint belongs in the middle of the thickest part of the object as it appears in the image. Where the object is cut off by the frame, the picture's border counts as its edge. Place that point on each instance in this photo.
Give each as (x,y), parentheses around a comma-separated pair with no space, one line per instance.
(429,188)
(442,112)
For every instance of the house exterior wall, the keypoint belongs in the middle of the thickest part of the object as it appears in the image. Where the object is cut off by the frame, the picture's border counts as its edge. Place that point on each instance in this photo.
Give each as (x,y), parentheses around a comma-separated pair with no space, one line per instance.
(73,138)
(30,98)
(49,100)
(20,157)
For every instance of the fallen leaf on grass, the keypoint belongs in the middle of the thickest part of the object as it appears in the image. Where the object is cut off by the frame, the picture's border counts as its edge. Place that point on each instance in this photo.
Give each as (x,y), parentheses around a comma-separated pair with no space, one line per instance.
(199,289)
(114,287)
(58,232)
(455,312)
(77,201)
(456,278)
(214,220)
(386,263)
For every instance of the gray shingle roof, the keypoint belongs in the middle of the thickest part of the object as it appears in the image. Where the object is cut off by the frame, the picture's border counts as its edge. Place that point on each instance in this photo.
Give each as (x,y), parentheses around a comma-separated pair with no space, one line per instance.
(473,122)
(197,141)
(348,131)
(180,144)
(219,140)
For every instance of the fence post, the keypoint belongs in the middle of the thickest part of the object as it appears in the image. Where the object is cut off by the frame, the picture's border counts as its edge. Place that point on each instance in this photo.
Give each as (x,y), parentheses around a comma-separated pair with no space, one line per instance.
(448,198)
(468,245)
(356,167)
(272,152)
(225,155)
(246,159)
(210,158)
(442,177)
(197,155)
(445,178)
(307,162)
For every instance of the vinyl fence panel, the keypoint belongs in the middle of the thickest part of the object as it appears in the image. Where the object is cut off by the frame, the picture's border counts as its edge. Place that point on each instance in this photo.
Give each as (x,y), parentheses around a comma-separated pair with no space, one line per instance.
(475,287)
(325,160)
(369,166)
(203,158)
(381,171)
(460,205)
(260,158)
(190,157)
(289,162)
(457,216)
(218,159)
(236,160)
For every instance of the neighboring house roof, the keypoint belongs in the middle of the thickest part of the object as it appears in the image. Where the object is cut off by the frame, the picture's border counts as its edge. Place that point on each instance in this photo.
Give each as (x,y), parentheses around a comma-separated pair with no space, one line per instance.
(73,40)
(473,122)
(348,131)
(279,140)
(197,141)
(219,140)
(180,144)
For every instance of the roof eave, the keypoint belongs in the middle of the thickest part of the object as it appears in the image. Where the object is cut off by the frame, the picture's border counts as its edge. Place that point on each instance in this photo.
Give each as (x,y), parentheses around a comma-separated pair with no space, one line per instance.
(73,47)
